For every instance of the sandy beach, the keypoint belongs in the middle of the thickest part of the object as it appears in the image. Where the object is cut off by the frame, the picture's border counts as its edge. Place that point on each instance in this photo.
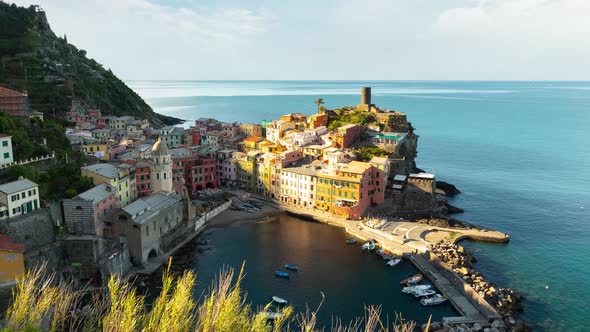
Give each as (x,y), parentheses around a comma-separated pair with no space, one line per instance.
(232,217)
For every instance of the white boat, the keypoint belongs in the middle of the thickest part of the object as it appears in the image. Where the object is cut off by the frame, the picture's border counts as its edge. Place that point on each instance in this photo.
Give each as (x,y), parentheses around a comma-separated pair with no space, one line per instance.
(423,292)
(393,262)
(270,315)
(434,300)
(279,300)
(412,289)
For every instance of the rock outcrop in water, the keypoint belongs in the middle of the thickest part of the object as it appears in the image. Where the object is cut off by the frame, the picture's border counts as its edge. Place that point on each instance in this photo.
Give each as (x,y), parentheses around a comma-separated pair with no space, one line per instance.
(447,188)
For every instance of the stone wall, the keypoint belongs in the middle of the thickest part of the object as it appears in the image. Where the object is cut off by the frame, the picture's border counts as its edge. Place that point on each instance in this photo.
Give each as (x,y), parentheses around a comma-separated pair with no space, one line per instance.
(34,230)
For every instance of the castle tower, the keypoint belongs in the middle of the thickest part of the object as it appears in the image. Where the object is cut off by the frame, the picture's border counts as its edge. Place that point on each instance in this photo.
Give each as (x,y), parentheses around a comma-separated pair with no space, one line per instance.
(161,168)
(366,95)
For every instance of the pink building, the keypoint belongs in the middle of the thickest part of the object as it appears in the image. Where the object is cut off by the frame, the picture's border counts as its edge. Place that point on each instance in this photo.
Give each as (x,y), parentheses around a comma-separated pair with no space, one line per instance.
(116,150)
(13,102)
(86,213)
(347,135)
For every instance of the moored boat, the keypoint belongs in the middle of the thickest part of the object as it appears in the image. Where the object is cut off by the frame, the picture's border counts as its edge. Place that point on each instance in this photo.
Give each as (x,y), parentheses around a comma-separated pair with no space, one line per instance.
(416,278)
(279,300)
(270,315)
(412,289)
(423,292)
(351,241)
(291,267)
(393,262)
(434,300)
(281,274)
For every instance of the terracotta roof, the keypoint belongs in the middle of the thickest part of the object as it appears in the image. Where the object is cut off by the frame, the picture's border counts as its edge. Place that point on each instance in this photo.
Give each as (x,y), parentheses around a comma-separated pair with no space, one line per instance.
(7,244)
(4,92)
(254,139)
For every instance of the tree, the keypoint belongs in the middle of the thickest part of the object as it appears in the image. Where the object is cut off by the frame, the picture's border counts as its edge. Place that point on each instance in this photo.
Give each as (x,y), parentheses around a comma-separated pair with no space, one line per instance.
(319,102)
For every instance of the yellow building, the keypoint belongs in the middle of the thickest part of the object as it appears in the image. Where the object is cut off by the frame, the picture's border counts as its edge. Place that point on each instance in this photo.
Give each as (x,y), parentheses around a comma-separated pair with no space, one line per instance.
(12,263)
(99,150)
(264,165)
(251,142)
(117,177)
(269,147)
(247,177)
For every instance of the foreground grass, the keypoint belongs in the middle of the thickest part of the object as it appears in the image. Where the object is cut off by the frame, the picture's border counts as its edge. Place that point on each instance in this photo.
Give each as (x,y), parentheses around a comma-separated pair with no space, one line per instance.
(39,303)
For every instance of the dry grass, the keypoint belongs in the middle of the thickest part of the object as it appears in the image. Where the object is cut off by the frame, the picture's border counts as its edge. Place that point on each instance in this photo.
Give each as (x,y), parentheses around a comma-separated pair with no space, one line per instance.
(39,303)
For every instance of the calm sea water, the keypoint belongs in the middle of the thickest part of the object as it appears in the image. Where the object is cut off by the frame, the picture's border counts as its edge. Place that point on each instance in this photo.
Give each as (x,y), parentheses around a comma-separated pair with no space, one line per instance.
(340,277)
(519,151)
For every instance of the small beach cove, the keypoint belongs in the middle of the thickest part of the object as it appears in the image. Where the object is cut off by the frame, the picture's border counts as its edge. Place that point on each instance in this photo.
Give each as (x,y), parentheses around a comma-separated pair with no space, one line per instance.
(341,277)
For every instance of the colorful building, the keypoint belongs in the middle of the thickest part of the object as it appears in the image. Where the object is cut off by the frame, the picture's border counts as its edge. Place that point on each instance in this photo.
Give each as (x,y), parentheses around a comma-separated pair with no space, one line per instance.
(6,156)
(18,198)
(347,135)
(12,263)
(298,185)
(349,191)
(250,129)
(317,120)
(13,102)
(115,176)
(86,213)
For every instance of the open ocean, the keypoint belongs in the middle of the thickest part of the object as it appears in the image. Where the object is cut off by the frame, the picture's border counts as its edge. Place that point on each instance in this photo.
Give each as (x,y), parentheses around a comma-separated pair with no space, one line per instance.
(519,151)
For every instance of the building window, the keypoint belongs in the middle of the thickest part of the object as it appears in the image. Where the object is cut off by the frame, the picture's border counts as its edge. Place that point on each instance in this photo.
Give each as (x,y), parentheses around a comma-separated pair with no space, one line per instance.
(6,155)
(4,143)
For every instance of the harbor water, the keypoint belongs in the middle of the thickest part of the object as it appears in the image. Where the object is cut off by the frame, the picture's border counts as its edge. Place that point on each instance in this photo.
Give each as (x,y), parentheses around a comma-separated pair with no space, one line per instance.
(519,152)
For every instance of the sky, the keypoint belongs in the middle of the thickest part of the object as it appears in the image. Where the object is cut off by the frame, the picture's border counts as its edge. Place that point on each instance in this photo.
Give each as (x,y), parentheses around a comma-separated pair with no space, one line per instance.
(330,39)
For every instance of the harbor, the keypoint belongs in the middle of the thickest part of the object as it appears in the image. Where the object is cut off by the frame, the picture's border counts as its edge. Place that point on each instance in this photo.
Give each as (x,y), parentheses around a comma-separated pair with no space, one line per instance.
(414,247)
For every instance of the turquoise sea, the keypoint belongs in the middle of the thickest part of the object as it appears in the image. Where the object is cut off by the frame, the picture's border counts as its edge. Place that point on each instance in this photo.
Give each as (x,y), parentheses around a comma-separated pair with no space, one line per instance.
(519,151)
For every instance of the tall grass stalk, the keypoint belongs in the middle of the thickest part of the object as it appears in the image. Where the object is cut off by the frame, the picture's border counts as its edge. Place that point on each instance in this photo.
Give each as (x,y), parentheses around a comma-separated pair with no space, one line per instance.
(40,303)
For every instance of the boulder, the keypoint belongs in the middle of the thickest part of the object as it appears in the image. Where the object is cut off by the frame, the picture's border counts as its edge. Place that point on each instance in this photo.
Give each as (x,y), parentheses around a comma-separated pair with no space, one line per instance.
(498,324)
(449,189)
(476,327)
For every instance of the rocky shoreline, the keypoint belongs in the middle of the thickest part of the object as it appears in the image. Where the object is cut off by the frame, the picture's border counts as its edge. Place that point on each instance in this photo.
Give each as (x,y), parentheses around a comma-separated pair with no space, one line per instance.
(506,301)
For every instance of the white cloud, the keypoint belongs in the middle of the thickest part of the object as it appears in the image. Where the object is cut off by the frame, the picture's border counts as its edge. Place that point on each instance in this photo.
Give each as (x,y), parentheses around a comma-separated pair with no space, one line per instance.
(331,39)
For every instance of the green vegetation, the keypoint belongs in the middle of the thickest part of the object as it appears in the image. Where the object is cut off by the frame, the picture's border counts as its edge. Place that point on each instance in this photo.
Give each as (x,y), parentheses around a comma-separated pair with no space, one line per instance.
(344,116)
(39,303)
(366,153)
(55,73)
(319,102)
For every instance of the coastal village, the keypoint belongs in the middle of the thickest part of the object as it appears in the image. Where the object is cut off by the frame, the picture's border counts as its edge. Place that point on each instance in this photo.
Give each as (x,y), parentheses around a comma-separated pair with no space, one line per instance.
(153,189)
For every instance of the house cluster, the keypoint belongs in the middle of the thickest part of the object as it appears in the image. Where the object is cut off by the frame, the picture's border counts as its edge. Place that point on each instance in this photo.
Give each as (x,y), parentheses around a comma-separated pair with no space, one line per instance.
(144,178)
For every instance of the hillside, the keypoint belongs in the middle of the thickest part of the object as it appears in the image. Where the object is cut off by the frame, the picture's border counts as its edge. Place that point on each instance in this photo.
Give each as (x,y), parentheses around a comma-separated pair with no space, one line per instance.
(54,73)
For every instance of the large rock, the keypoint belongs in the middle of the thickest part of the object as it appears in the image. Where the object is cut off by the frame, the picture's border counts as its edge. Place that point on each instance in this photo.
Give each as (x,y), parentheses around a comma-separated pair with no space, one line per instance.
(498,324)
(476,327)
(449,189)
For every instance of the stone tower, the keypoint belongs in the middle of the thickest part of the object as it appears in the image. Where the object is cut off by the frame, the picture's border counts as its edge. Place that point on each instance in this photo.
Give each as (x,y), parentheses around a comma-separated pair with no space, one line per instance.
(161,168)
(366,95)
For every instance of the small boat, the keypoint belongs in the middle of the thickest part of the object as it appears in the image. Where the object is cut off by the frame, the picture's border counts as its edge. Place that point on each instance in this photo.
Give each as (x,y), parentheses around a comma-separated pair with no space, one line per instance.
(380,252)
(412,289)
(423,293)
(434,300)
(291,267)
(281,274)
(351,241)
(393,262)
(412,280)
(279,300)
(250,206)
(270,315)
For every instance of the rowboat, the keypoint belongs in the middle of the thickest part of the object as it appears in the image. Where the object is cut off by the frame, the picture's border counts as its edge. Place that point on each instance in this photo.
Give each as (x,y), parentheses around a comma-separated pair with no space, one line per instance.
(279,300)
(282,274)
(270,315)
(412,289)
(434,300)
(423,292)
(351,241)
(393,262)
(412,280)
(291,267)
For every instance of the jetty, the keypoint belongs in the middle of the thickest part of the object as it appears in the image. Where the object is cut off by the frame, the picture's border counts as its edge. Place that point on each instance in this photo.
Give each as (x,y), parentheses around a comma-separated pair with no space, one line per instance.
(413,241)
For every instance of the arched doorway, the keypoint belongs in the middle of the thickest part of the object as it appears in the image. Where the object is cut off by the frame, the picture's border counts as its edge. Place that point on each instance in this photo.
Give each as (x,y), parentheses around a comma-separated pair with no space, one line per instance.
(152,255)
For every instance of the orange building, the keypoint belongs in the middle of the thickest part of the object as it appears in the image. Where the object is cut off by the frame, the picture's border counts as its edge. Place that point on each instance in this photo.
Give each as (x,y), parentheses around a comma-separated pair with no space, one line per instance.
(12,263)
(350,190)
(317,120)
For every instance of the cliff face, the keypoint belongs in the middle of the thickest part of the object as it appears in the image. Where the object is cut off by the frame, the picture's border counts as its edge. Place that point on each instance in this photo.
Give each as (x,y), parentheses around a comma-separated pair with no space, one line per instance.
(54,73)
